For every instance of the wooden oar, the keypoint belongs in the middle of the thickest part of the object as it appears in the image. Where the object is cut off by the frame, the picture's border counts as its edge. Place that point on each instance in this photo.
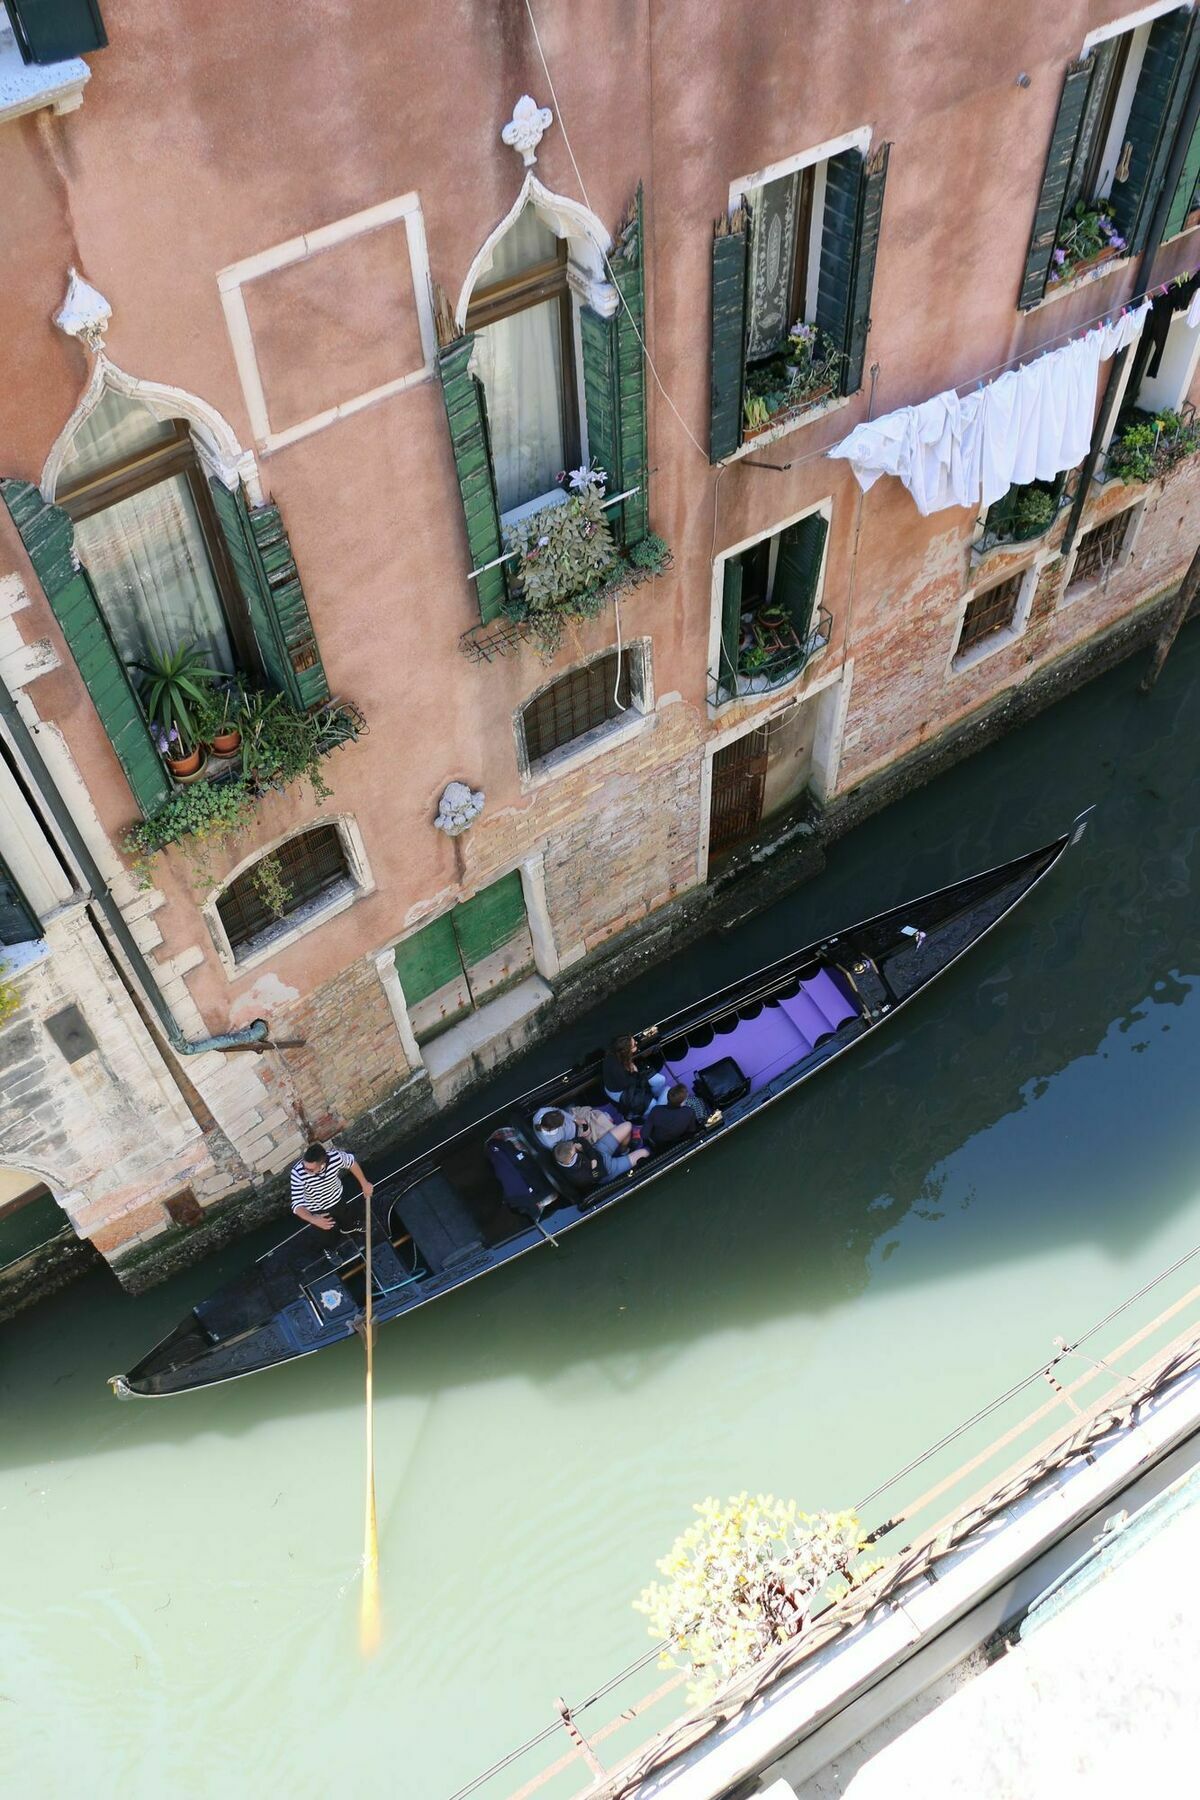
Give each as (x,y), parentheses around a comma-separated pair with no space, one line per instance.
(369,1619)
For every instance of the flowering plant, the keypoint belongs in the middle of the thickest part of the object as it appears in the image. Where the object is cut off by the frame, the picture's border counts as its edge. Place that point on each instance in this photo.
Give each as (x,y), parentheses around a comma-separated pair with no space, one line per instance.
(167,743)
(563,553)
(1087,232)
(794,378)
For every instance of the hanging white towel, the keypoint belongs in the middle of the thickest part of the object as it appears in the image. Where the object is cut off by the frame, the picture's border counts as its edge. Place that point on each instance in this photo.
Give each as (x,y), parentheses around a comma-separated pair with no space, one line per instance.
(1193,311)
(1032,423)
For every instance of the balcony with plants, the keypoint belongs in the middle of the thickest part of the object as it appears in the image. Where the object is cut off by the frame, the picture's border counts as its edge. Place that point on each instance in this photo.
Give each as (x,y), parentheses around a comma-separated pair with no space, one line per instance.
(771,651)
(227,746)
(797,379)
(1027,512)
(1147,446)
(1087,238)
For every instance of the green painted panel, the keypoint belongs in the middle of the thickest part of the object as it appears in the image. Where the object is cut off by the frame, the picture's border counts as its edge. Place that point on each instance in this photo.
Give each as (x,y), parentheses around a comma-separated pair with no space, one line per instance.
(1172,50)
(870,214)
(798,570)
(427,960)
(1064,141)
(18,924)
(50,31)
(727,368)
(285,598)
(48,536)
(731,621)
(489,919)
(1181,201)
(466,413)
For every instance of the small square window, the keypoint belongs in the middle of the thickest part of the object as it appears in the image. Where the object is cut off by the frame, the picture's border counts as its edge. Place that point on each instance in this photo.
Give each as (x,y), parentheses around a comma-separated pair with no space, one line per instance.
(1098,551)
(576,704)
(992,611)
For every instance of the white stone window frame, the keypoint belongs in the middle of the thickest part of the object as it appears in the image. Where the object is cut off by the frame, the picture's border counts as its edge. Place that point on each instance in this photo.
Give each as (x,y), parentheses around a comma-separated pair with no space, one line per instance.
(1133,514)
(588,242)
(28,87)
(743,704)
(739,188)
(961,662)
(546,960)
(404,208)
(601,738)
(310,915)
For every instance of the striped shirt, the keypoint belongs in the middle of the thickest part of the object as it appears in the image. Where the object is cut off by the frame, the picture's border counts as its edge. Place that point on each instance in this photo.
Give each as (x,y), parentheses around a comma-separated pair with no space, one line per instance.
(320,1193)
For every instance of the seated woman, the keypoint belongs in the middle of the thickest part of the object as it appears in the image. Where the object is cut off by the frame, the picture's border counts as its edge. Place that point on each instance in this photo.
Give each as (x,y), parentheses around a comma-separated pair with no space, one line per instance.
(627,1086)
(586,1125)
(583,1167)
(676,1119)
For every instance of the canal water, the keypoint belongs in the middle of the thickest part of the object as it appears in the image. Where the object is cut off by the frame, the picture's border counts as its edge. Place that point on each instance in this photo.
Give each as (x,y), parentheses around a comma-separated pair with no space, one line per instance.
(800,1313)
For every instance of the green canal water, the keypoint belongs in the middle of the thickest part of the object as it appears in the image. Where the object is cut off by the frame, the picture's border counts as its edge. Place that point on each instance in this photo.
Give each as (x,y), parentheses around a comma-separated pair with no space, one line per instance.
(802,1312)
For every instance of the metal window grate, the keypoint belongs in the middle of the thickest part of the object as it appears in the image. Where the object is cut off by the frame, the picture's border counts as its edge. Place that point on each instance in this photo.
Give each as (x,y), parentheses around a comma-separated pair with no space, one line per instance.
(576,704)
(1099,549)
(308,864)
(991,611)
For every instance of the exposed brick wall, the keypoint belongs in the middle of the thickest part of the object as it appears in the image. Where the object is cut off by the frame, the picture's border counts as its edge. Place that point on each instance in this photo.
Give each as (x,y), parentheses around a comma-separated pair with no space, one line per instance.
(352,1056)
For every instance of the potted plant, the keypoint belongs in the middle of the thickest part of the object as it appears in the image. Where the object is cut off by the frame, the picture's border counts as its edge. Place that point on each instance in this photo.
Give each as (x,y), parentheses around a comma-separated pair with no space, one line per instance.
(217,716)
(1088,237)
(176,686)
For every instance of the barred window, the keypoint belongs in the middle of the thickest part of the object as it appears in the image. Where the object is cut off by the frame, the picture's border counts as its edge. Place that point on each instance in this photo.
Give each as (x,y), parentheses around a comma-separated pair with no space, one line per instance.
(1099,550)
(991,611)
(282,884)
(575,704)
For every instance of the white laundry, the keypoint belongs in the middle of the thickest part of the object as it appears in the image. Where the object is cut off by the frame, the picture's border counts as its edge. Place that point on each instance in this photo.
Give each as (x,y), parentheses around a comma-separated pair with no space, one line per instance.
(1030,424)
(1193,311)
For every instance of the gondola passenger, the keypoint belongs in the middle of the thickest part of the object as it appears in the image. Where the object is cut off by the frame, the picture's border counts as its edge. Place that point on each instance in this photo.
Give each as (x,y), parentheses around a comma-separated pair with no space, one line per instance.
(677,1119)
(583,1167)
(634,1090)
(586,1125)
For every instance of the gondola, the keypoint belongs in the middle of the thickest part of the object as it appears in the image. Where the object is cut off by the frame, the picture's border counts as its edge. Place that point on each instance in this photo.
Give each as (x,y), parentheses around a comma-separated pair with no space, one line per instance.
(491,1193)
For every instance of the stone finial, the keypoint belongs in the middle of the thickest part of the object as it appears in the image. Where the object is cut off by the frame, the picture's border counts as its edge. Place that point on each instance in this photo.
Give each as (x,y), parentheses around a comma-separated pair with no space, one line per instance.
(84,314)
(458,808)
(526,128)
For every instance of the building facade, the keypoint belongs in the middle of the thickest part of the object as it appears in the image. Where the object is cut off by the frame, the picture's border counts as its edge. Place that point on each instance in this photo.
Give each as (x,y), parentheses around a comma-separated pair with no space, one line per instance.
(311,314)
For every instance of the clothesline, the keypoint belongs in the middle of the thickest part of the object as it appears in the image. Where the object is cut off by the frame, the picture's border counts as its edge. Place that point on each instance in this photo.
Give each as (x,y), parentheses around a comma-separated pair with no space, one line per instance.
(1032,423)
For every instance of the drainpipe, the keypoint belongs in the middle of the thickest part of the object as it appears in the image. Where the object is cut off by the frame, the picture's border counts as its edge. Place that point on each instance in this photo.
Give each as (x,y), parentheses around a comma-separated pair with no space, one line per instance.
(99,896)
(1183,138)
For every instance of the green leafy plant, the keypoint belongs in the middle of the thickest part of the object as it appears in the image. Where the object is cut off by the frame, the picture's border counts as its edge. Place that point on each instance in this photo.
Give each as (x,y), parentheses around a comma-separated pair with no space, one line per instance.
(218,710)
(1087,230)
(650,553)
(203,818)
(10,995)
(746,1577)
(176,683)
(1034,511)
(270,886)
(1150,444)
(793,379)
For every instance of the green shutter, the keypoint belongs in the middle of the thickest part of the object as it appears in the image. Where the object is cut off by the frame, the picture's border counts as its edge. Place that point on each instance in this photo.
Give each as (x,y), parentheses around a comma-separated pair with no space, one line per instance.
(49,31)
(466,411)
(489,919)
(614,383)
(1056,180)
(1158,102)
(427,960)
(849,240)
(728,366)
(798,570)
(49,540)
(1181,201)
(731,622)
(18,924)
(266,574)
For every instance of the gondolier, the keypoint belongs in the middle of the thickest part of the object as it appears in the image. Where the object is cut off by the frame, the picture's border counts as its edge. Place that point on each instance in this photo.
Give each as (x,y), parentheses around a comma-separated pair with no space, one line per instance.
(317,1194)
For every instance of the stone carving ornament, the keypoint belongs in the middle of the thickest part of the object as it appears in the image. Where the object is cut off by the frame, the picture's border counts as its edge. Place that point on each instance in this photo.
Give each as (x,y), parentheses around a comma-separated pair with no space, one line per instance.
(526,128)
(458,808)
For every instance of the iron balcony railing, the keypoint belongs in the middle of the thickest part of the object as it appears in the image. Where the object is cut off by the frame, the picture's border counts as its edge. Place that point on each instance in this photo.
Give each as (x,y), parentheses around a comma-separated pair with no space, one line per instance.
(761,669)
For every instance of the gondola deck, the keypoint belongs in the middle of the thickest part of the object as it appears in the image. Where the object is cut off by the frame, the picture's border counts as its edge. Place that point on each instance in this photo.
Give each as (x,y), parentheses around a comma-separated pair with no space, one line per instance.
(442,1220)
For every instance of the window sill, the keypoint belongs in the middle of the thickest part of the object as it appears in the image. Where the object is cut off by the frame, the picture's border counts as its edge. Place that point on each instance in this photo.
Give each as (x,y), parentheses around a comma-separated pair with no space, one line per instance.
(597,742)
(322,907)
(773,433)
(28,87)
(966,660)
(1063,288)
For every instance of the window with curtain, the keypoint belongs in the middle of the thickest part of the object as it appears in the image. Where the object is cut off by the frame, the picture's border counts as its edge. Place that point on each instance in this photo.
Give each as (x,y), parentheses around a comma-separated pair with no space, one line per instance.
(524,355)
(146,533)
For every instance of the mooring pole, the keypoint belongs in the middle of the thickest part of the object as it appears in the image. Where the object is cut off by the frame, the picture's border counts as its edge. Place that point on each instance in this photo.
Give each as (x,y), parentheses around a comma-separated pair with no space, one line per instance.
(580,1742)
(1188,589)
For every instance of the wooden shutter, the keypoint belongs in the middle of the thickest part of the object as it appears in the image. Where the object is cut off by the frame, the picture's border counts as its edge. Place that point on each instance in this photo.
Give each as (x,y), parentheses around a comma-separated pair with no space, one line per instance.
(1056,180)
(728,367)
(1158,102)
(614,383)
(466,411)
(49,31)
(49,540)
(849,240)
(267,578)
(798,570)
(1181,200)
(731,622)
(428,960)
(18,924)
(489,919)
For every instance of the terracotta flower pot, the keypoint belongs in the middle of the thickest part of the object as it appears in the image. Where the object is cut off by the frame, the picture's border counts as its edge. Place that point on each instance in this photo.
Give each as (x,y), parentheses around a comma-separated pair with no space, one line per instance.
(188,768)
(225,743)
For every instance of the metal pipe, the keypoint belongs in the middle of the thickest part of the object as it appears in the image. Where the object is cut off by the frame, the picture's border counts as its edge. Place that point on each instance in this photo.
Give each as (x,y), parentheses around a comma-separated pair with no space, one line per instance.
(99,896)
(1179,150)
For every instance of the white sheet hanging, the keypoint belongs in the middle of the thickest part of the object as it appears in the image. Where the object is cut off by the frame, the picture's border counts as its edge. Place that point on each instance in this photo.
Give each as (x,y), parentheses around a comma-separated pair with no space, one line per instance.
(1032,423)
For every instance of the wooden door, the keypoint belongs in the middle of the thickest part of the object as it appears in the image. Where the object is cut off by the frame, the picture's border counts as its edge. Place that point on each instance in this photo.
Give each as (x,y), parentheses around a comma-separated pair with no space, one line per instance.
(739,773)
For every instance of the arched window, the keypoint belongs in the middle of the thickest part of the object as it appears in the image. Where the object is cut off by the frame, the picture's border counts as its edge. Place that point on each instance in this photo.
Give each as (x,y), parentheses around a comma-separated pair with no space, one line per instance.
(148,535)
(522,320)
(291,885)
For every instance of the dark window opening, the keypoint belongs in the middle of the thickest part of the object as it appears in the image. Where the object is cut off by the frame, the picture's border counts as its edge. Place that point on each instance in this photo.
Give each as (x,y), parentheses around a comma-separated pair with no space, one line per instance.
(1027,510)
(989,612)
(575,705)
(1099,549)
(307,866)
